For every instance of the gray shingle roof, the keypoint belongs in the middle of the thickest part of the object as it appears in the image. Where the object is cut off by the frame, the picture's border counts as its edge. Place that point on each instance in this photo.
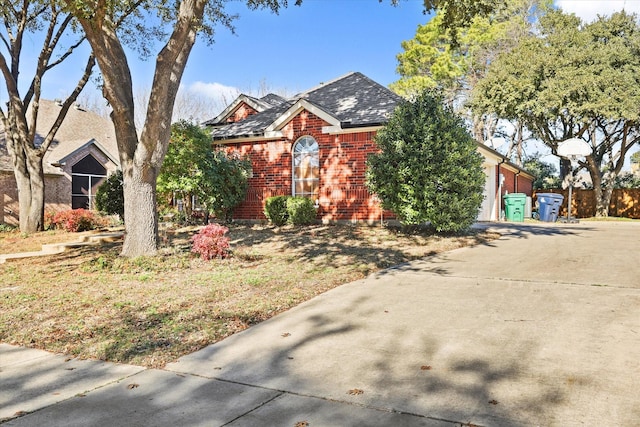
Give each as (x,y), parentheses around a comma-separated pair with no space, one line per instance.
(78,128)
(251,126)
(354,100)
(258,104)
(273,99)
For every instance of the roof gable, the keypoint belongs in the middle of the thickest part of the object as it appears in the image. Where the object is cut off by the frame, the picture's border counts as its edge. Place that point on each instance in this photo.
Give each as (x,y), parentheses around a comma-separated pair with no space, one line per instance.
(258,104)
(355,100)
(296,109)
(86,147)
(79,129)
(351,101)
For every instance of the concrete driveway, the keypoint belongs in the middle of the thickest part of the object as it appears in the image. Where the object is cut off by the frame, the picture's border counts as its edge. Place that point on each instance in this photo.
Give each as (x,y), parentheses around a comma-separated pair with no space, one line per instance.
(541,327)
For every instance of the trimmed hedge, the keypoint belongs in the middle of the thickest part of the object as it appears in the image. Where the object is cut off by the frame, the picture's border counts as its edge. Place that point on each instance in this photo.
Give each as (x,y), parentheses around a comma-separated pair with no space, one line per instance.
(281,210)
(301,211)
(275,209)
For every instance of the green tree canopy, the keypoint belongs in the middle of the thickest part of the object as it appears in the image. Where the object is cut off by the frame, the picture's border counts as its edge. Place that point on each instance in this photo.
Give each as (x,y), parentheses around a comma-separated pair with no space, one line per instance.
(435,59)
(546,175)
(458,14)
(627,180)
(428,168)
(573,80)
(192,168)
(432,60)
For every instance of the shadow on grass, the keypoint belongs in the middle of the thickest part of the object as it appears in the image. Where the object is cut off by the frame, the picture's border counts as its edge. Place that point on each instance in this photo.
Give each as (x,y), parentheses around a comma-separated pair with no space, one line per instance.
(355,245)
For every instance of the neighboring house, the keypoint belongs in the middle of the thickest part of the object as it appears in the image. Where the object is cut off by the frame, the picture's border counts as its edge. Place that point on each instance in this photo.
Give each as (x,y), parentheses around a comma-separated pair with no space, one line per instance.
(502,177)
(316,145)
(83,154)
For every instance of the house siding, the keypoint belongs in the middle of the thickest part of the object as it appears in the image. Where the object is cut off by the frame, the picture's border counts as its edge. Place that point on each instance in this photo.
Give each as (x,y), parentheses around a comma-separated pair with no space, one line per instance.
(514,182)
(57,196)
(342,192)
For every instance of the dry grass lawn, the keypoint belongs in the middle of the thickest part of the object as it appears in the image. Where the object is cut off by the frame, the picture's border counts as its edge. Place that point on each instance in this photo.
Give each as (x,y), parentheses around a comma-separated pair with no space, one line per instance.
(149,311)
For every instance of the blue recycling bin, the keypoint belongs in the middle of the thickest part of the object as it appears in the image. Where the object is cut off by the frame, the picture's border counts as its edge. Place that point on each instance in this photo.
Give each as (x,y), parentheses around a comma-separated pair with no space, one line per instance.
(514,206)
(549,206)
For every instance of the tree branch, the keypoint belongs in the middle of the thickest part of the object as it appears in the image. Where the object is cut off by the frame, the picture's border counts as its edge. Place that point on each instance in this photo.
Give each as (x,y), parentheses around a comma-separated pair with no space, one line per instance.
(67,103)
(170,66)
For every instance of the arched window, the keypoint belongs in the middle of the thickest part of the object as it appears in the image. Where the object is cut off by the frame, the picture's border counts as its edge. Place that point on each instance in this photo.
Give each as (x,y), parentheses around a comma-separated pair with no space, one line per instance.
(86,177)
(306,167)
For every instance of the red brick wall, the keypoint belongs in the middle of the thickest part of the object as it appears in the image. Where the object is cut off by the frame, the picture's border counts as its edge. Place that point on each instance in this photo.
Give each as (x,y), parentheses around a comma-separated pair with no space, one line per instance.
(342,194)
(241,113)
(514,183)
(525,185)
(9,207)
(57,196)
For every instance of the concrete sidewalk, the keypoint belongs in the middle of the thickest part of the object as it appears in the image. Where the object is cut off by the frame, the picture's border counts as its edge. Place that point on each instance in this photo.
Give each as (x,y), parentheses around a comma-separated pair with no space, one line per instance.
(541,327)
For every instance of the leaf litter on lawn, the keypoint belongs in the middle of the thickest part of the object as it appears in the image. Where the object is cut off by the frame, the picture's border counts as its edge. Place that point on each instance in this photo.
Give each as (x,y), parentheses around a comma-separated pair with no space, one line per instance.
(92,303)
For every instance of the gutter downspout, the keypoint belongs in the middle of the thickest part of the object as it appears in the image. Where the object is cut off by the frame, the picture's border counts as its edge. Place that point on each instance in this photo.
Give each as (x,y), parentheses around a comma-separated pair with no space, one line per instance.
(500,190)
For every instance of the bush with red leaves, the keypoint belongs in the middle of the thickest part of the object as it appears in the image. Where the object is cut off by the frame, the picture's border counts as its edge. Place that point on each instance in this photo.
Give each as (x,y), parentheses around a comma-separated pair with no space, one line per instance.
(75,220)
(211,242)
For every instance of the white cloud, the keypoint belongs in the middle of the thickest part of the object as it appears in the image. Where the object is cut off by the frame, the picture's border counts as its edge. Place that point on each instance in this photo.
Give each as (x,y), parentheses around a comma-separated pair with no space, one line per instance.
(588,10)
(216,91)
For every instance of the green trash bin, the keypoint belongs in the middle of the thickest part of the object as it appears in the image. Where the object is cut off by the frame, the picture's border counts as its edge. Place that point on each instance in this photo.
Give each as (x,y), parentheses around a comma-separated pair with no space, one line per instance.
(514,206)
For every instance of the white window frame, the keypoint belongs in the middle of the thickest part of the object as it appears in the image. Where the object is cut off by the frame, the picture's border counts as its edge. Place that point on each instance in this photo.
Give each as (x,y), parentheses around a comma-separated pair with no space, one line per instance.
(315,156)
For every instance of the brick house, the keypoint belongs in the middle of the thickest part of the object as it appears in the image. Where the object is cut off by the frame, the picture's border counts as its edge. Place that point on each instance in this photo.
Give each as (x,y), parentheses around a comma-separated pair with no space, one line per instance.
(316,145)
(503,177)
(82,155)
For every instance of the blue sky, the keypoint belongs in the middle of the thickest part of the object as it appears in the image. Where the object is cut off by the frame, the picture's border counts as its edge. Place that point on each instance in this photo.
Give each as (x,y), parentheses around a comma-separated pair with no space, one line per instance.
(299,48)
(290,52)
(309,44)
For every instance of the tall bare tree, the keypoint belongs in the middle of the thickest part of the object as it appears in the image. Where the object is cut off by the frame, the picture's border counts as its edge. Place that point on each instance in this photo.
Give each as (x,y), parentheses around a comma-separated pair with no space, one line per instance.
(25,18)
(141,154)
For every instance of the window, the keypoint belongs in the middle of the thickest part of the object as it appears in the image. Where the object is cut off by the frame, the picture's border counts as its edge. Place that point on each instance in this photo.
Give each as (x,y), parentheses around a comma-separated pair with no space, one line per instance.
(306,167)
(86,177)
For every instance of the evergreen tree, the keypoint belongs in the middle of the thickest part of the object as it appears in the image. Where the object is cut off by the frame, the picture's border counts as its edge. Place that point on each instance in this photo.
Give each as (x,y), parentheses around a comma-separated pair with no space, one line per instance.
(428,168)
(110,195)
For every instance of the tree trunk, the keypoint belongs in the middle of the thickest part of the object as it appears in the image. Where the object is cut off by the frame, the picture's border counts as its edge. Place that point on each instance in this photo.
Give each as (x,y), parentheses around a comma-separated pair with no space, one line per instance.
(141,157)
(141,221)
(29,175)
(30,181)
(603,199)
(602,194)
(565,168)
(519,143)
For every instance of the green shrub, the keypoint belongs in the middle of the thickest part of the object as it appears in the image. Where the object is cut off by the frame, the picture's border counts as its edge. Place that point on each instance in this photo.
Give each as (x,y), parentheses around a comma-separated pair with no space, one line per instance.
(275,209)
(173,216)
(6,228)
(219,180)
(427,168)
(110,195)
(300,211)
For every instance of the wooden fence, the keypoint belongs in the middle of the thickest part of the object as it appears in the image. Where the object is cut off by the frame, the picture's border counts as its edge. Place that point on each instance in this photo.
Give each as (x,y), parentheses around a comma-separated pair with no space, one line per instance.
(625,202)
